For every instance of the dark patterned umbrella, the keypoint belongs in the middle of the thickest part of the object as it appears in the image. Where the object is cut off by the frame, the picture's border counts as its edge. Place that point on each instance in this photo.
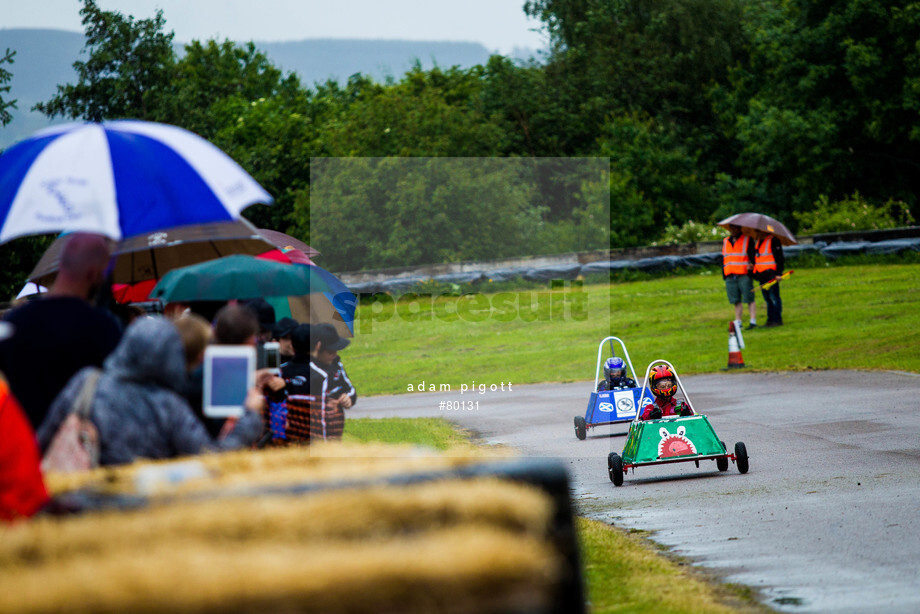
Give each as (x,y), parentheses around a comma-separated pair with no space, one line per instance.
(152,255)
(285,242)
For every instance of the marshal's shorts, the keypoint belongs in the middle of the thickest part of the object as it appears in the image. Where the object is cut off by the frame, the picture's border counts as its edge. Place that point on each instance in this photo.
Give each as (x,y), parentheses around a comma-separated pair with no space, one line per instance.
(740,289)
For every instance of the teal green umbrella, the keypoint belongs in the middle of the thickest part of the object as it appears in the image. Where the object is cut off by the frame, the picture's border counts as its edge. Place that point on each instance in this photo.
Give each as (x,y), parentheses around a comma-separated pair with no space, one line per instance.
(237,277)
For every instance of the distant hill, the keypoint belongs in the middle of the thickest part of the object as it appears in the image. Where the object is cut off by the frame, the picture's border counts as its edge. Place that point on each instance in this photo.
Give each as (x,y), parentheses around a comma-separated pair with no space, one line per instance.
(44,59)
(317,60)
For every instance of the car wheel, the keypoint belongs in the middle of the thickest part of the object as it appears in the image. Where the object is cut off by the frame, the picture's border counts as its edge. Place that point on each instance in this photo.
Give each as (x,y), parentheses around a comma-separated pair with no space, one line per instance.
(615,468)
(741,457)
(722,461)
(581,429)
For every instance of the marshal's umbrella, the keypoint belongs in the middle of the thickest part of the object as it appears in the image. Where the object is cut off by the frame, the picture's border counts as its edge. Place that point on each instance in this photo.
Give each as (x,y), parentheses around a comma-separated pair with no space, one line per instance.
(120,179)
(237,277)
(150,256)
(758,221)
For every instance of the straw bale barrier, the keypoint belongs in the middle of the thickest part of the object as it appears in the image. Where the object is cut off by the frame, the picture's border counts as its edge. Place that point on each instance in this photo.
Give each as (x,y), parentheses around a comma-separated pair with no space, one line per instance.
(291,530)
(319,462)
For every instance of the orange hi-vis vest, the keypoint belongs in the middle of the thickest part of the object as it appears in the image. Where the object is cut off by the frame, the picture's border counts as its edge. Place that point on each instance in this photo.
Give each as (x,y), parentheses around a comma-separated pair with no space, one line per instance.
(734,257)
(764,261)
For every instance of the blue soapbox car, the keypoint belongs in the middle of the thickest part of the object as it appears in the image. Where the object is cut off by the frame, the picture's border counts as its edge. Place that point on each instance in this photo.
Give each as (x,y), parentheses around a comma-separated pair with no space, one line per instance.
(610,406)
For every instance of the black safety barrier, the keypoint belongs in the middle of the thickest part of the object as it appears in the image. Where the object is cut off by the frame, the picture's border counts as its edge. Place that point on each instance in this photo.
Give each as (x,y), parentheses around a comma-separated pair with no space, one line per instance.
(655,264)
(401,284)
(505,274)
(894,246)
(556,271)
(606,266)
(791,252)
(836,250)
(460,278)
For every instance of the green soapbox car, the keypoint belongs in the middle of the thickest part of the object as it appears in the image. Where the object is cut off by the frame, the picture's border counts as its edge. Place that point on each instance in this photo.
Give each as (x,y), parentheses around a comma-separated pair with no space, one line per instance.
(673,439)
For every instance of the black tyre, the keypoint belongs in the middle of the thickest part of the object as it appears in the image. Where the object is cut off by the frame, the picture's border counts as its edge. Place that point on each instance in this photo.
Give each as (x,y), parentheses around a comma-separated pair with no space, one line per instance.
(722,462)
(615,468)
(581,429)
(741,457)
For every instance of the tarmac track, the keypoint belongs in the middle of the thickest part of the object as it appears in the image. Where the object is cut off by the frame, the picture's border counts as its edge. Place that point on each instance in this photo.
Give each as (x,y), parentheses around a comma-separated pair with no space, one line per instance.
(827,518)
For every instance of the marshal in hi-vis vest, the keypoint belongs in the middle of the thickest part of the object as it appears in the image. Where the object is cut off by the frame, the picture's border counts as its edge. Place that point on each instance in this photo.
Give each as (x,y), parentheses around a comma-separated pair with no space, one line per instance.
(734,257)
(764,261)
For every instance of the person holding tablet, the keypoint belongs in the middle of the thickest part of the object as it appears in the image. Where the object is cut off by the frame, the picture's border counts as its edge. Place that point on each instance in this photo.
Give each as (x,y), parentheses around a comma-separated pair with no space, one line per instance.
(234,325)
(137,406)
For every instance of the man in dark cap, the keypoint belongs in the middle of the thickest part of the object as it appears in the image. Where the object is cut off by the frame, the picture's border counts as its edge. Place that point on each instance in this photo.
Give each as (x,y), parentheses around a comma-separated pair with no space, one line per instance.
(326,345)
(316,373)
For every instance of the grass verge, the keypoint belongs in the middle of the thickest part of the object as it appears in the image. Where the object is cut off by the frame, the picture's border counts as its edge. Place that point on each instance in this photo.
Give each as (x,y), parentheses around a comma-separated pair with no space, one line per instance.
(623,574)
(840,317)
(433,432)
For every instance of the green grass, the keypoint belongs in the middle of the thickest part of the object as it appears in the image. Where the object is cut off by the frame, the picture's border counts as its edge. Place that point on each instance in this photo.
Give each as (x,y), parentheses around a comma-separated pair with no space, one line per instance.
(433,432)
(837,317)
(624,574)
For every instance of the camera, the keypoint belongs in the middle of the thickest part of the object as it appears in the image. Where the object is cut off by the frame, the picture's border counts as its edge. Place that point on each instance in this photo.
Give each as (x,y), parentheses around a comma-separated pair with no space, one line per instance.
(270,357)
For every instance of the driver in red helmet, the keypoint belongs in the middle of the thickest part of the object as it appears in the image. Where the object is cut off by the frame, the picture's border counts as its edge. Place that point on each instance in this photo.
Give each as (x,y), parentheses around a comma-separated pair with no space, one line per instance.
(664,384)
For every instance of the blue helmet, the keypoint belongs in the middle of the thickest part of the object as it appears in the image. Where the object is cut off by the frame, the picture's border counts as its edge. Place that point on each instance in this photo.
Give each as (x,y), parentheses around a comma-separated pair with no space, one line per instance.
(614,367)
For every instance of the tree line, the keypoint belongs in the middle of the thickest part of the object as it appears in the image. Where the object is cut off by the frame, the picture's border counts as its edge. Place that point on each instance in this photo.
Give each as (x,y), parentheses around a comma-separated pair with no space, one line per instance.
(703,107)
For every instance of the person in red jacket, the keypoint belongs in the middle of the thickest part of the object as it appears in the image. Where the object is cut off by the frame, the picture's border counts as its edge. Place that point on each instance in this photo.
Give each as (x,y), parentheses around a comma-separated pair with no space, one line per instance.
(22,489)
(664,384)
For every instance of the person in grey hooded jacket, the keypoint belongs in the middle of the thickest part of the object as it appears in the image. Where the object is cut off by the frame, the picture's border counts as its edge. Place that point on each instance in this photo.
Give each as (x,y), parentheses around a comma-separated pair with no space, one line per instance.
(138,407)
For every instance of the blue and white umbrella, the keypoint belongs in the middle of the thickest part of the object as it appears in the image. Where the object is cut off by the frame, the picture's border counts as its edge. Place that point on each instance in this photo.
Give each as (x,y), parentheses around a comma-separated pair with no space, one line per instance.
(121,179)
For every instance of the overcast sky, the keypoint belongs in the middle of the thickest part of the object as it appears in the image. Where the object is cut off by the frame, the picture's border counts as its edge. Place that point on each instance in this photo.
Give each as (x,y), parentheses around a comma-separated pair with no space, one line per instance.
(500,25)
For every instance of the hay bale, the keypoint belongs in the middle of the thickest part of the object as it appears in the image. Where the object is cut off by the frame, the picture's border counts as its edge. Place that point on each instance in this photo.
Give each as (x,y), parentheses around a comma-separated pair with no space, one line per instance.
(320,463)
(229,542)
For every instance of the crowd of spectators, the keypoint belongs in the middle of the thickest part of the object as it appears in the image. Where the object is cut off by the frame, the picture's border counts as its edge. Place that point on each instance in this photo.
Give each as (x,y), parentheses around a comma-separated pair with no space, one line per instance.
(144,376)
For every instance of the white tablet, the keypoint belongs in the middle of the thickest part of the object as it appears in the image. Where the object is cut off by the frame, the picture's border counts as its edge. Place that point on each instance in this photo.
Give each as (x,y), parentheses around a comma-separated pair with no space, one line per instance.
(229,373)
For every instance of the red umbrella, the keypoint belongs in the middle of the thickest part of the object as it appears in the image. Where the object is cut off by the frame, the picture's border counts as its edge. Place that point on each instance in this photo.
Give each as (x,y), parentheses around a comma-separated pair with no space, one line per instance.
(291,255)
(133,293)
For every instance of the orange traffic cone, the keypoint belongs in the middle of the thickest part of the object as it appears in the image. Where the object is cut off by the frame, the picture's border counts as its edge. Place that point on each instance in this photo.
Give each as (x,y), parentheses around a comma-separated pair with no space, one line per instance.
(735,360)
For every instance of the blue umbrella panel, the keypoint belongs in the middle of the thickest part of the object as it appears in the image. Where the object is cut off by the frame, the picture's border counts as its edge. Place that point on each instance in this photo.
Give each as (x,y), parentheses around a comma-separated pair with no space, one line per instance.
(121,179)
(334,306)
